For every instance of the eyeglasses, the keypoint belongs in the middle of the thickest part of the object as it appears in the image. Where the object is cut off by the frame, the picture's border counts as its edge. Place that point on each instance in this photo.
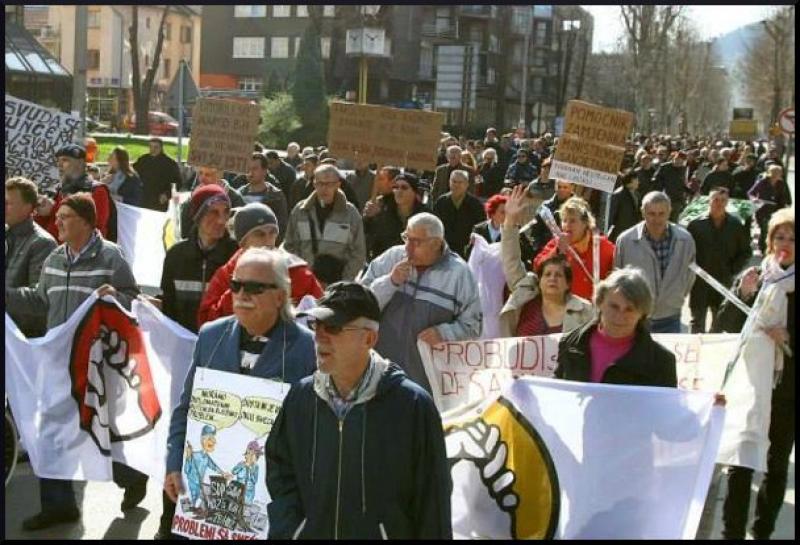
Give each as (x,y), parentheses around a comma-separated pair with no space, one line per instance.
(251,287)
(64,217)
(324,184)
(414,241)
(317,325)
(401,187)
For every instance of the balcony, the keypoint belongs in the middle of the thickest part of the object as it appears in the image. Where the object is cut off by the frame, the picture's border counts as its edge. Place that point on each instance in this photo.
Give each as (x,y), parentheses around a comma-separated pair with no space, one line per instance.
(482,12)
(441,28)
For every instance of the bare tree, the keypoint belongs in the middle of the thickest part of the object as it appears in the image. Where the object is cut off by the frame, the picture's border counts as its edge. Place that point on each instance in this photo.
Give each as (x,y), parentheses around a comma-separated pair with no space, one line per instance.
(143,89)
(647,30)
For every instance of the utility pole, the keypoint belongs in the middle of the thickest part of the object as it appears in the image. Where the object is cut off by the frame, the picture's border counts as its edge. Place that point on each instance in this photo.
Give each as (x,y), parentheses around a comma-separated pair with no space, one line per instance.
(523,93)
(79,67)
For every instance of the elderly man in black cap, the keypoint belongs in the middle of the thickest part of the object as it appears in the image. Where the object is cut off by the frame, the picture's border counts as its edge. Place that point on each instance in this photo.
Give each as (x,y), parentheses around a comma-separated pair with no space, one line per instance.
(357,450)
(72,168)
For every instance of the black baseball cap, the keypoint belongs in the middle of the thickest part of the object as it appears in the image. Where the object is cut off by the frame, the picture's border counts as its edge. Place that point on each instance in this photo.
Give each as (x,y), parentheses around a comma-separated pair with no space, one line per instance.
(343,302)
(73,151)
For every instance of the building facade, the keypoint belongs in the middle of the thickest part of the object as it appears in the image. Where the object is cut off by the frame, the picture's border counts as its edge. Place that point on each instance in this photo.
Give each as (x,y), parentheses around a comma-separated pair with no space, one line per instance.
(108,57)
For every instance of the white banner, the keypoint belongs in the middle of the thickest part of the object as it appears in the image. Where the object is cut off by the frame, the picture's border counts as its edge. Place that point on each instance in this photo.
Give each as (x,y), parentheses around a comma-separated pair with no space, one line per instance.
(226,493)
(552,459)
(33,136)
(486,265)
(99,387)
(464,372)
(145,235)
(581,175)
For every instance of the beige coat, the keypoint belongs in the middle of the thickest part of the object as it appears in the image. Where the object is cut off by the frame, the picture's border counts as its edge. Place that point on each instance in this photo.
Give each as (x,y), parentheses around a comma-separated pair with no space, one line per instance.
(524,286)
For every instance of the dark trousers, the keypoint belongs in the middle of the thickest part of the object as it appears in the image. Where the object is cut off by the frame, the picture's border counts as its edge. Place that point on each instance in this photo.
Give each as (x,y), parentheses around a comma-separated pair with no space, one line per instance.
(699,302)
(773,487)
(58,494)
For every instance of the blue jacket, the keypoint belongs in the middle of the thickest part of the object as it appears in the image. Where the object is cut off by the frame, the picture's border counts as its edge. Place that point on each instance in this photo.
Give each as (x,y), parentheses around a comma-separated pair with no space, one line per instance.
(379,472)
(217,348)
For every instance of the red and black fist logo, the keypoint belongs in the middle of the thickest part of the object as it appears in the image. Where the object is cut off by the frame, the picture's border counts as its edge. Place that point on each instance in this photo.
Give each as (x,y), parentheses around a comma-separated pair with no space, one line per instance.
(111,377)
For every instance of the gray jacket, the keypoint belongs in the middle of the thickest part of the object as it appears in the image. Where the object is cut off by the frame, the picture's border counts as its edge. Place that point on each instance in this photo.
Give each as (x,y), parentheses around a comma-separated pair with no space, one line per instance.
(524,286)
(671,290)
(445,296)
(30,245)
(62,287)
(342,237)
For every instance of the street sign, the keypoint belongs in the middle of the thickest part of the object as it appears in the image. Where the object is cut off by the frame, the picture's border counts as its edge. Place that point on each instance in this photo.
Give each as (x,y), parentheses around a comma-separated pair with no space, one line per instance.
(786,121)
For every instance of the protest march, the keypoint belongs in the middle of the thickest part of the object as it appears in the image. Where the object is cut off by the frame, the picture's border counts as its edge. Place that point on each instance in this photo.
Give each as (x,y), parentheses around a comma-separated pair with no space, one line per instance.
(403,332)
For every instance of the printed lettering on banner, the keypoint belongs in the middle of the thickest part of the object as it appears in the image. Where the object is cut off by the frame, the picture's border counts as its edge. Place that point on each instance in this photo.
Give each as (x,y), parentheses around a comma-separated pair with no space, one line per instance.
(33,136)
(223,473)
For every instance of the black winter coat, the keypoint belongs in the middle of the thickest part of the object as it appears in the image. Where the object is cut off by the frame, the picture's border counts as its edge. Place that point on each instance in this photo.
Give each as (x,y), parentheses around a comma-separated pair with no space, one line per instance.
(624,212)
(458,222)
(383,230)
(672,181)
(722,252)
(647,364)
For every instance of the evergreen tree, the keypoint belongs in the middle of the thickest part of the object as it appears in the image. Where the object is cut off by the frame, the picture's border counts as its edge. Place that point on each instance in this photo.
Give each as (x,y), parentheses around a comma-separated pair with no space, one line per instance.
(308,87)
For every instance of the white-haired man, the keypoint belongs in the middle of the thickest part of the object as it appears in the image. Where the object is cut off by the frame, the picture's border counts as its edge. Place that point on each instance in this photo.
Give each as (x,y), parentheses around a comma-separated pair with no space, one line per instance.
(425,292)
(261,339)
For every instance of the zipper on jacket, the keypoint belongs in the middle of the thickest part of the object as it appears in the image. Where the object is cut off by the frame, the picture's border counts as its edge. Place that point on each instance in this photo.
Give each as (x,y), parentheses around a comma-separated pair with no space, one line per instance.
(338,483)
(66,292)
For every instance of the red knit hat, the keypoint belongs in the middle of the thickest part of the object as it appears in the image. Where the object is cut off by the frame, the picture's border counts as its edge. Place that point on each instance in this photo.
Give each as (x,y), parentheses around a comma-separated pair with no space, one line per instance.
(204,196)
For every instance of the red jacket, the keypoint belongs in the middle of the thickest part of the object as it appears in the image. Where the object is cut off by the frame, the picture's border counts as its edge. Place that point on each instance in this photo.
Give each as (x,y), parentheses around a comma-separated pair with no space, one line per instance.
(101,197)
(581,284)
(218,300)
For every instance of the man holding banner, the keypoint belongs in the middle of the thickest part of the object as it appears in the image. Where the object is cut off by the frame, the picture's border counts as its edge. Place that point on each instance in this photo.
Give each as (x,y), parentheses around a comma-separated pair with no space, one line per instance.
(84,264)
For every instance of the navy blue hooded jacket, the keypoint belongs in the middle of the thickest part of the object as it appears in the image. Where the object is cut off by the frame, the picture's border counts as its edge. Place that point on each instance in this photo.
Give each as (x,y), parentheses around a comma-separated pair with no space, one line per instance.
(380,472)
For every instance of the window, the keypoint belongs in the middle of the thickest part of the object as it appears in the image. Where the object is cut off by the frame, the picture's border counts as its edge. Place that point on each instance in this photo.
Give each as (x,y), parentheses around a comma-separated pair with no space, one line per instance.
(538,57)
(545,12)
(248,48)
(520,19)
(426,59)
(302,10)
(538,86)
(168,31)
(296,45)
(442,20)
(167,66)
(325,45)
(494,43)
(540,36)
(516,53)
(279,48)
(94,19)
(251,84)
(93,59)
(328,11)
(186,34)
(281,11)
(491,76)
(250,11)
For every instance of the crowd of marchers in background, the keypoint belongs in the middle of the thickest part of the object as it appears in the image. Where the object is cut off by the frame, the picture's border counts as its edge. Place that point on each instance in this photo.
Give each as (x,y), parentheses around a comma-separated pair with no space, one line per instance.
(383,251)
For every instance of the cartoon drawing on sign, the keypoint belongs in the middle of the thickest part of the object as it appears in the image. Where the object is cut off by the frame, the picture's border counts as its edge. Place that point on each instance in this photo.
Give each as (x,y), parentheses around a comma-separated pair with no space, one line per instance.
(111,377)
(196,465)
(246,472)
(520,496)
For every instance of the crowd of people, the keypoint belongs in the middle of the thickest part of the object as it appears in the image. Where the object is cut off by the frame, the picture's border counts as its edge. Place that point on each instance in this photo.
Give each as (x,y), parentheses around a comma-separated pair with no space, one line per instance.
(383,251)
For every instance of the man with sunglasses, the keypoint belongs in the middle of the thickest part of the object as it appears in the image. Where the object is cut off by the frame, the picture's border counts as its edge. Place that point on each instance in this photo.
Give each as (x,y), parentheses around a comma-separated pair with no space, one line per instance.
(357,450)
(261,339)
(426,293)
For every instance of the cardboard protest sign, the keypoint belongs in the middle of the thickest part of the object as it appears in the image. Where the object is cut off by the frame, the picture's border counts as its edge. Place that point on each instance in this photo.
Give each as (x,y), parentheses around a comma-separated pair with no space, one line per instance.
(591,149)
(223,471)
(743,129)
(33,136)
(223,132)
(386,136)
(462,372)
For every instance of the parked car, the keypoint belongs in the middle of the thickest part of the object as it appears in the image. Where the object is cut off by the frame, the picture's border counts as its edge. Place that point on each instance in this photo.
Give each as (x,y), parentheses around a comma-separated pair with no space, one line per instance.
(159,124)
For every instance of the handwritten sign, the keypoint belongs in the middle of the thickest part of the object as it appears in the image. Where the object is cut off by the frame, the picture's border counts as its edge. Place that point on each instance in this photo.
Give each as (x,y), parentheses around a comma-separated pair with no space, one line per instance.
(466,371)
(224,473)
(591,149)
(386,136)
(33,136)
(223,132)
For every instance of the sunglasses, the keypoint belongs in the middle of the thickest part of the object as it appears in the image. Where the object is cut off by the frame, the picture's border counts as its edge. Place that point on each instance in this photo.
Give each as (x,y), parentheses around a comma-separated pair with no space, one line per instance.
(317,325)
(251,287)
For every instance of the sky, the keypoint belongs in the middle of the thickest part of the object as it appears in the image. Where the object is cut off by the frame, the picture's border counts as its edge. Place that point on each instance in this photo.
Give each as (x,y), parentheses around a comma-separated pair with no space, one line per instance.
(608,24)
